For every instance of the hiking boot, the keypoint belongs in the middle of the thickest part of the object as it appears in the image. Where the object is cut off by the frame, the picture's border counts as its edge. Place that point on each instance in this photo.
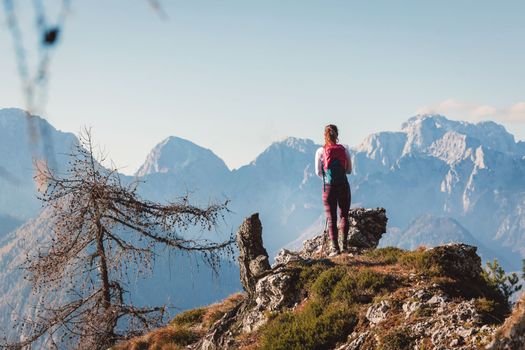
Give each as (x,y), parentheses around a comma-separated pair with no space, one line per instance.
(334,249)
(344,245)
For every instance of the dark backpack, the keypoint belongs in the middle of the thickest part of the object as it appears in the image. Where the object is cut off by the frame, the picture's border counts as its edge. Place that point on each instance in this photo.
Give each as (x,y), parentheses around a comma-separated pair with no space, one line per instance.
(334,165)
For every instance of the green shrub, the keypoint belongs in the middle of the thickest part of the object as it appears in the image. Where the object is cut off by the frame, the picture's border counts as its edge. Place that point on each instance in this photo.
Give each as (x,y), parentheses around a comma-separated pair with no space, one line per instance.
(387,255)
(488,309)
(361,286)
(316,327)
(326,282)
(397,339)
(329,315)
(422,261)
(311,271)
(345,290)
(189,318)
(368,279)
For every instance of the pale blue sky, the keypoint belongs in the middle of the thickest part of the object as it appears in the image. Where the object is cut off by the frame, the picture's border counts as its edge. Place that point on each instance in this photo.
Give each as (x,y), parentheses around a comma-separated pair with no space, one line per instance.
(235,76)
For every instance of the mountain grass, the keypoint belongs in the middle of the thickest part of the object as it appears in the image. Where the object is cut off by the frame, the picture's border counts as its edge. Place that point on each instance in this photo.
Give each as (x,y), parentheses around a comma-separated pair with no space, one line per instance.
(331,311)
(189,318)
(387,255)
(184,329)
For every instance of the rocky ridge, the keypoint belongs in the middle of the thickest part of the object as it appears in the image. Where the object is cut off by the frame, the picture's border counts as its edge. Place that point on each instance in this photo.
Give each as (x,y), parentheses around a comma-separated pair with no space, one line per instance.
(370,298)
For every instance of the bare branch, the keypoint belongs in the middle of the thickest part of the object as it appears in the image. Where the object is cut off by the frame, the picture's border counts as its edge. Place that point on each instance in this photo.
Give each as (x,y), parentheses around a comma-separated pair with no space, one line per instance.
(101,230)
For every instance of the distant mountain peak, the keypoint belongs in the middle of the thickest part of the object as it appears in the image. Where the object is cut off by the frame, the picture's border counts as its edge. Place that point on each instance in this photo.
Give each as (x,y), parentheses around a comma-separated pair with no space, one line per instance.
(420,119)
(285,149)
(296,143)
(424,130)
(175,154)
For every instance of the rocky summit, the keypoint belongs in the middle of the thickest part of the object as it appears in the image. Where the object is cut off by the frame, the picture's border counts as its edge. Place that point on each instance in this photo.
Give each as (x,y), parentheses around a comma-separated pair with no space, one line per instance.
(367,298)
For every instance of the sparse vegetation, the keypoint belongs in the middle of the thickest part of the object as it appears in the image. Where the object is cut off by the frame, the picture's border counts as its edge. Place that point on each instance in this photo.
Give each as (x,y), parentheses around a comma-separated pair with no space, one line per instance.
(422,261)
(216,311)
(189,318)
(330,314)
(167,338)
(424,311)
(185,328)
(316,327)
(396,339)
(387,255)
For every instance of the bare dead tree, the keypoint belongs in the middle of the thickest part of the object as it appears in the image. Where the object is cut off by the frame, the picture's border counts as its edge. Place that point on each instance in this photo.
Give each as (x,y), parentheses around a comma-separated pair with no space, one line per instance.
(102,231)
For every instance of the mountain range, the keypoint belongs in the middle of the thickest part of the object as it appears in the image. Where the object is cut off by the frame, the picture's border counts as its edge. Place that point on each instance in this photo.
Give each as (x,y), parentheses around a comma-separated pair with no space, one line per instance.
(440,180)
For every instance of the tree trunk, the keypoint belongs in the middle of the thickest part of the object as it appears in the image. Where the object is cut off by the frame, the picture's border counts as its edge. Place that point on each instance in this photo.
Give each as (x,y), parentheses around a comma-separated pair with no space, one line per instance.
(104,276)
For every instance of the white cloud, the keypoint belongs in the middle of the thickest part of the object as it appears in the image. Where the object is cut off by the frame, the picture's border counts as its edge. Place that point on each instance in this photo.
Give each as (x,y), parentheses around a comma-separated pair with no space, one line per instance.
(516,113)
(455,109)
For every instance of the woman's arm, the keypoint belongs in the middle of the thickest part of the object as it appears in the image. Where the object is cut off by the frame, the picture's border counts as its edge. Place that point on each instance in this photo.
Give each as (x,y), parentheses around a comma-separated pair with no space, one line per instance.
(319,162)
(349,163)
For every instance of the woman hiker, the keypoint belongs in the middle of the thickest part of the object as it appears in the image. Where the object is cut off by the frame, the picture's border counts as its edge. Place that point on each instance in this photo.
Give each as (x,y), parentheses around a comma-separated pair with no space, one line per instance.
(332,163)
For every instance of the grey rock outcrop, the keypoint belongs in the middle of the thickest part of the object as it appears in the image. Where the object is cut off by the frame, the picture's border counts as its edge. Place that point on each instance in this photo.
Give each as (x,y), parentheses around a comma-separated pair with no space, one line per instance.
(286,256)
(253,258)
(272,292)
(367,226)
(428,314)
(457,259)
(378,312)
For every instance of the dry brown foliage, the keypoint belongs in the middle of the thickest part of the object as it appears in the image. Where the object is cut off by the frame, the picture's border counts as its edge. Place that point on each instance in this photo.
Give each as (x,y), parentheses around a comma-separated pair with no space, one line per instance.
(102,232)
(177,335)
